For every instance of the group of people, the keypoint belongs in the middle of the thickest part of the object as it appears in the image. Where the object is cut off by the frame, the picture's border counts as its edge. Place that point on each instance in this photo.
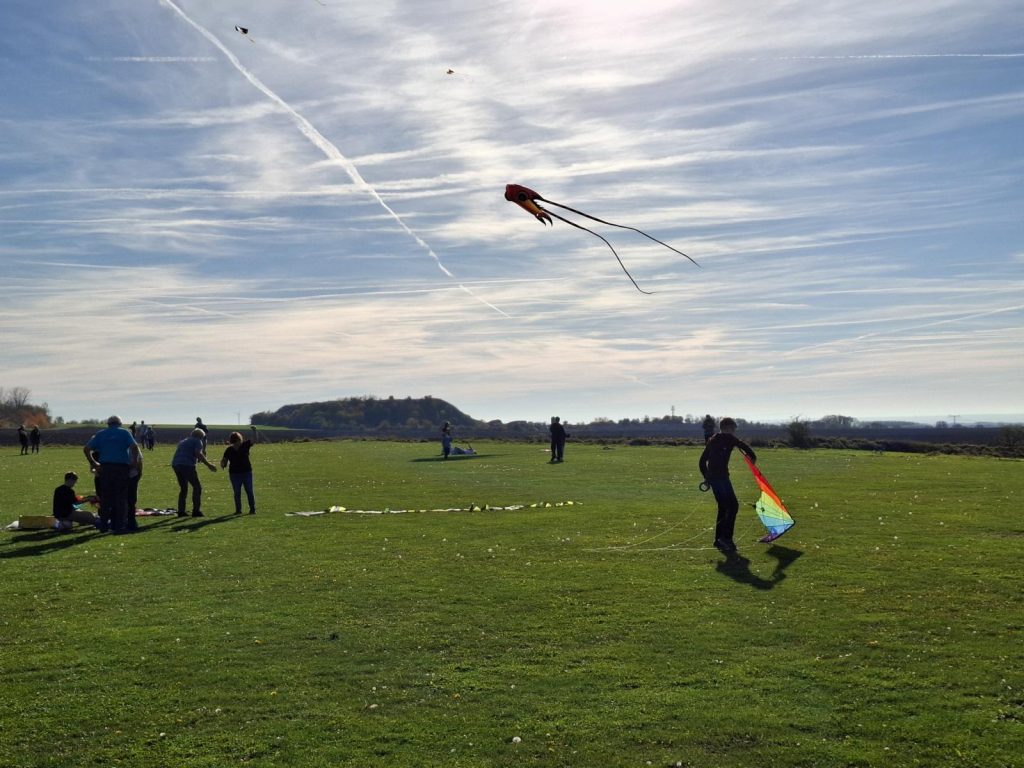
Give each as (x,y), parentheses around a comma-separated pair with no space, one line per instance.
(558,438)
(29,439)
(713,465)
(144,435)
(115,459)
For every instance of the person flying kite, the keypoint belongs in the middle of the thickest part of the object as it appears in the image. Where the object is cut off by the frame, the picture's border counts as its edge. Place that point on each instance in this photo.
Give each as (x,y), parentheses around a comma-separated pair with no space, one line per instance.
(714,466)
(527,199)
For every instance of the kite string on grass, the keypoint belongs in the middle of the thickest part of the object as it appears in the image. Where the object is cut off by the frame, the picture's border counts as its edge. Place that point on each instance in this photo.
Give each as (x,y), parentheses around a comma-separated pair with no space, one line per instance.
(631,546)
(750,529)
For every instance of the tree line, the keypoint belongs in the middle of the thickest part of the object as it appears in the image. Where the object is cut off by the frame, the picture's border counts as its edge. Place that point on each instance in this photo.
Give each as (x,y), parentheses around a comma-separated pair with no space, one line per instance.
(17,410)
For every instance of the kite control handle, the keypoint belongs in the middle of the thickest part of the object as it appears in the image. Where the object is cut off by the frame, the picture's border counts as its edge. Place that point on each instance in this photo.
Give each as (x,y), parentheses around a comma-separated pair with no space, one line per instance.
(705,486)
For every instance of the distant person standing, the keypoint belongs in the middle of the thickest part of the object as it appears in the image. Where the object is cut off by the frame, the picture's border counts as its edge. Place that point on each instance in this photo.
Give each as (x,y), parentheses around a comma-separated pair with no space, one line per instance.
(111,453)
(236,459)
(35,439)
(714,466)
(201,426)
(188,454)
(23,440)
(558,436)
(446,439)
(150,437)
(709,427)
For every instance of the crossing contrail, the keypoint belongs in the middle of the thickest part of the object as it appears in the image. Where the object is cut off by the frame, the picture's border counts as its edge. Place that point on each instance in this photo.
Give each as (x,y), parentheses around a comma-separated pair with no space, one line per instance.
(152,59)
(855,56)
(324,144)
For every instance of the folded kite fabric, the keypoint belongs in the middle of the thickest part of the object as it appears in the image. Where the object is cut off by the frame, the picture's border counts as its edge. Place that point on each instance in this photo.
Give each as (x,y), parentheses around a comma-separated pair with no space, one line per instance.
(470,508)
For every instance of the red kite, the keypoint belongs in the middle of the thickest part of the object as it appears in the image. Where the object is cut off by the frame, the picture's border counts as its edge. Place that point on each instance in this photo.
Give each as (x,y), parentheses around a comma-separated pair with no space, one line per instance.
(527,199)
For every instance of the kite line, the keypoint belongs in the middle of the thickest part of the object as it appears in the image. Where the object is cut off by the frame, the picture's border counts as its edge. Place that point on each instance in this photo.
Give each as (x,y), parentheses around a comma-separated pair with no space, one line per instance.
(324,144)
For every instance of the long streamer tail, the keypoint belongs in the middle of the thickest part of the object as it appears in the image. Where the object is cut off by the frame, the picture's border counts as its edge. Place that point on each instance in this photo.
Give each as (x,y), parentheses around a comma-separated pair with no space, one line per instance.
(574,224)
(611,224)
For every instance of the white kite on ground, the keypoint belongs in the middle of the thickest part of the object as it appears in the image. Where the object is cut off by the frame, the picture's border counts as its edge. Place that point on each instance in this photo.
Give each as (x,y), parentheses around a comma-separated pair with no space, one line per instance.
(470,508)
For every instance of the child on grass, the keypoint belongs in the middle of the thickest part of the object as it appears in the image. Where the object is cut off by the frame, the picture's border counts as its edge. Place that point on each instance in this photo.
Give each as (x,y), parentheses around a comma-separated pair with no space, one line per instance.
(714,466)
(64,509)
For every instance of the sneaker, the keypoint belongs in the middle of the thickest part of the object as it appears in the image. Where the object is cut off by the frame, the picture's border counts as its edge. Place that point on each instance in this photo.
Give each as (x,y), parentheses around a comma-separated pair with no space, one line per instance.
(252,511)
(238,511)
(197,514)
(183,514)
(724,546)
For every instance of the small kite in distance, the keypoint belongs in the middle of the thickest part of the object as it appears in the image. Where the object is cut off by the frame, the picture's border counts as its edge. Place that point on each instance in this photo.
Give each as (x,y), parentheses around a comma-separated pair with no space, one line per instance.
(244,32)
(527,199)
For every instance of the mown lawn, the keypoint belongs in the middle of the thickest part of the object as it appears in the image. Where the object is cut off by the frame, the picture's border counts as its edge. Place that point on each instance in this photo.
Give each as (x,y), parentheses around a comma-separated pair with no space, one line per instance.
(883,630)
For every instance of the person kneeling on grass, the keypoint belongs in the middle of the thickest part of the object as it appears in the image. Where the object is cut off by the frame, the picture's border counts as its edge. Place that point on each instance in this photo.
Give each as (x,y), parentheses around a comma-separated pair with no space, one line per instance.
(714,466)
(188,453)
(64,505)
(236,458)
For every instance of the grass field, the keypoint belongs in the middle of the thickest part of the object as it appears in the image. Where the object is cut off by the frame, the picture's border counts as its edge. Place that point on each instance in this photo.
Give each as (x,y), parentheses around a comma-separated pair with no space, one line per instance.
(883,630)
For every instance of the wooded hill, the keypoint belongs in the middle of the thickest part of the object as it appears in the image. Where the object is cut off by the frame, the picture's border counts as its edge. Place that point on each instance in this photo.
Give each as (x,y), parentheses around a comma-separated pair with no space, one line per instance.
(367,414)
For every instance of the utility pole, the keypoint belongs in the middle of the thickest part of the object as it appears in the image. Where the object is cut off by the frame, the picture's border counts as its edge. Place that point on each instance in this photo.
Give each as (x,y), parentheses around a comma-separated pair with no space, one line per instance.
(673,413)
(954,417)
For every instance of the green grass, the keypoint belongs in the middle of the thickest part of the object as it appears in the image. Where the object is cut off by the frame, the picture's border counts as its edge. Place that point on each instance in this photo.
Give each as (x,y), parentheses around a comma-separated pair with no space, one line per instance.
(883,630)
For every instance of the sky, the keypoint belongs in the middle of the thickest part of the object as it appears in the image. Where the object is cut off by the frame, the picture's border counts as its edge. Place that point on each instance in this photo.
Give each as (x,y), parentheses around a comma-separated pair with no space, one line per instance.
(197,222)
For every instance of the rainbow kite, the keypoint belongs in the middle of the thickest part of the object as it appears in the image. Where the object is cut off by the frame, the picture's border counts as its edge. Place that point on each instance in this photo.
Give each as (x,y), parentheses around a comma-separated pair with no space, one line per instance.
(770,508)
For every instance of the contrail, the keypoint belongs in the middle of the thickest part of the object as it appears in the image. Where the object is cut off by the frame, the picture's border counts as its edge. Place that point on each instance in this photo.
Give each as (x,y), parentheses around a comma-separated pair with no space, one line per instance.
(918,327)
(889,56)
(322,143)
(152,59)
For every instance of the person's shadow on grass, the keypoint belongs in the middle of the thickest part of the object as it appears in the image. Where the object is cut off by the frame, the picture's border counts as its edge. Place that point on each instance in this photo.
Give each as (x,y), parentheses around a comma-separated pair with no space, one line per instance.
(456,457)
(737,567)
(49,541)
(195,523)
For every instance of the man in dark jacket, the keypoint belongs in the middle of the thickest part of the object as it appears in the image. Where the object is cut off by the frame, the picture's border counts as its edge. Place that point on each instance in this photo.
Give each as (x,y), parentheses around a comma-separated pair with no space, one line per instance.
(558,435)
(714,466)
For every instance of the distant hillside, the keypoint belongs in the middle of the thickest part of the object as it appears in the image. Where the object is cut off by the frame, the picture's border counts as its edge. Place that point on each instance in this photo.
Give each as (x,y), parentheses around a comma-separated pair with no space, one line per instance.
(367,414)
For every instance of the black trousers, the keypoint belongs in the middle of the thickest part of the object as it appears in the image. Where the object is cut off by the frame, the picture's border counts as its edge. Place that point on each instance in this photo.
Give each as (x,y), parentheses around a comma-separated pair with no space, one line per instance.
(188,476)
(112,485)
(728,508)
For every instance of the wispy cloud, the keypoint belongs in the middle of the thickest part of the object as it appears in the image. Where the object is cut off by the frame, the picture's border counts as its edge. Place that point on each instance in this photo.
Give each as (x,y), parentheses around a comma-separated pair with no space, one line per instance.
(847,175)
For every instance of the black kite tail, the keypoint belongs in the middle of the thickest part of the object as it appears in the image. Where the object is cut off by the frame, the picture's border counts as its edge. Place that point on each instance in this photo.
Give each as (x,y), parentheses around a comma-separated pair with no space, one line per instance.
(595,234)
(610,224)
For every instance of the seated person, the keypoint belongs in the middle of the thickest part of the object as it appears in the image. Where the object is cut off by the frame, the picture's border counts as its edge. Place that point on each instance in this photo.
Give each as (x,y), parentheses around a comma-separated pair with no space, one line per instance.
(64,509)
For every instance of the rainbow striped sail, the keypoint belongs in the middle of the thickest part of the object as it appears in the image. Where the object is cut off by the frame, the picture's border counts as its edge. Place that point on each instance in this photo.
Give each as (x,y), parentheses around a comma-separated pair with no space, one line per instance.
(773,513)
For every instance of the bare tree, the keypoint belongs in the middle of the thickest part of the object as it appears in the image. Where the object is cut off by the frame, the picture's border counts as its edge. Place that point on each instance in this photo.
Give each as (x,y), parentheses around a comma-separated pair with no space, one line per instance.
(17,397)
